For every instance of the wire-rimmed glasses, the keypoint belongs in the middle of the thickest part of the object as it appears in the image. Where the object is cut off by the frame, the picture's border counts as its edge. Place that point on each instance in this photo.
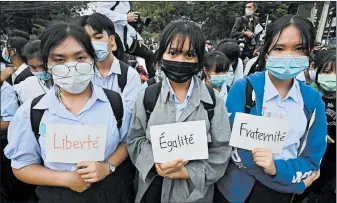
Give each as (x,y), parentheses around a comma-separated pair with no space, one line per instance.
(62,70)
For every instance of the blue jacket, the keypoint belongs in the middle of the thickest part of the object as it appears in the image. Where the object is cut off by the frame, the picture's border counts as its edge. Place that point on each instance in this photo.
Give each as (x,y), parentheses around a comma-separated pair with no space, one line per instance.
(242,172)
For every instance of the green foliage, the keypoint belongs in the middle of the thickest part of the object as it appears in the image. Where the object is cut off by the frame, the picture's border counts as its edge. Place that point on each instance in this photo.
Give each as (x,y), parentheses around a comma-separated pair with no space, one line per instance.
(32,16)
(215,17)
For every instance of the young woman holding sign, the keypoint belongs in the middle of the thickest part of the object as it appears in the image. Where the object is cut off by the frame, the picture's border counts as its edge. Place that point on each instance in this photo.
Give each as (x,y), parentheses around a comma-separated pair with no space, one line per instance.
(259,175)
(181,97)
(75,101)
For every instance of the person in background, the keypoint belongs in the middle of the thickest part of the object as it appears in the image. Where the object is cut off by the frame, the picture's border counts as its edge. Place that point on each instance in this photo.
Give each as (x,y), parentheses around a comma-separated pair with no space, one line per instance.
(120,13)
(12,53)
(244,28)
(216,69)
(40,84)
(232,50)
(252,61)
(259,175)
(73,100)
(108,68)
(181,98)
(325,83)
(209,46)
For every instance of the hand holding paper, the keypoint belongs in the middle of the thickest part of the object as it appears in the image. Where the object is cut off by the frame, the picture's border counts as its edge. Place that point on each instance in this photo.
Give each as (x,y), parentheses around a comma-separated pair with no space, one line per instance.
(265,159)
(92,171)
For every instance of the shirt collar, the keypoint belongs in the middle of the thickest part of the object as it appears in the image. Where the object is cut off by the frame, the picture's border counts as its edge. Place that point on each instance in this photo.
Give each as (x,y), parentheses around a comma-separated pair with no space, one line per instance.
(20,69)
(189,92)
(115,68)
(50,100)
(270,91)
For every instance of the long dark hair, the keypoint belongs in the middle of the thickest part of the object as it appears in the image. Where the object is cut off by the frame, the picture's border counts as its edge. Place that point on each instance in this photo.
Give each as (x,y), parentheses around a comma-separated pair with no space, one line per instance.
(184,29)
(100,22)
(57,32)
(275,30)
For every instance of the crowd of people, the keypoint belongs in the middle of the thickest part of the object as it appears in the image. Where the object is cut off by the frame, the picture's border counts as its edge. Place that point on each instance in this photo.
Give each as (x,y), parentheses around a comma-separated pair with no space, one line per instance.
(75,74)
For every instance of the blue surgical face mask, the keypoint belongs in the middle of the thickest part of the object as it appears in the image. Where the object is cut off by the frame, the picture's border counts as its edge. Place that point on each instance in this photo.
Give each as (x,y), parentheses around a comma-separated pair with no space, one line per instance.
(286,67)
(218,80)
(42,75)
(5,57)
(101,50)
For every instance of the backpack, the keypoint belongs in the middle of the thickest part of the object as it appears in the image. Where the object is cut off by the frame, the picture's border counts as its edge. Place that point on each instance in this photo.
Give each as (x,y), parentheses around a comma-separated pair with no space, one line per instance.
(123,77)
(114,98)
(152,93)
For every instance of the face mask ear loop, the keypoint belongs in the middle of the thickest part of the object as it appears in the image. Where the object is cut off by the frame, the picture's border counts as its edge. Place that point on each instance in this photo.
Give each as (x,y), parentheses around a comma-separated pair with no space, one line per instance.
(66,103)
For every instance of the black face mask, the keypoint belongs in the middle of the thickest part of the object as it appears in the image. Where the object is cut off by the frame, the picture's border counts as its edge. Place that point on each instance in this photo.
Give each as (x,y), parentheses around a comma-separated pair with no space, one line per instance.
(179,72)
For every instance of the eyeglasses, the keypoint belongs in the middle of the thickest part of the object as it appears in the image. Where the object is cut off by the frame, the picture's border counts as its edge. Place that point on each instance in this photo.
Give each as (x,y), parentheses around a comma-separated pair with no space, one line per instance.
(63,70)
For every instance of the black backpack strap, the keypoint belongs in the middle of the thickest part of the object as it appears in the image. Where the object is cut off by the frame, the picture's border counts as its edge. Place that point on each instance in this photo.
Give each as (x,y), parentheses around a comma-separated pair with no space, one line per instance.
(151,81)
(36,116)
(113,8)
(116,104)
(249,101)
(150,98)
(123,77)
(228,88)
(210,107)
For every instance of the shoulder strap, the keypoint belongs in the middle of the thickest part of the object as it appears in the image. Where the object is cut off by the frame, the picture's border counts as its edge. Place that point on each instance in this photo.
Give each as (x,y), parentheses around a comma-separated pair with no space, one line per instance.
(113,8)
(150,98)
(123,77)
(228,88)
(116,104)
(36,116)
(249,100)
(210,107)
(151,81)
(310,121)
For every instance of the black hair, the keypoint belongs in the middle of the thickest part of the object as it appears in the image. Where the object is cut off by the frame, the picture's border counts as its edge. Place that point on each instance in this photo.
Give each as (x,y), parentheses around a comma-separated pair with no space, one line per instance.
(50,39)
(100,22)
(275,30)
(253,2)
(218,59)
(323,60)
(16,43)
(32,50)
(231,50)
(18,33)
(184,29)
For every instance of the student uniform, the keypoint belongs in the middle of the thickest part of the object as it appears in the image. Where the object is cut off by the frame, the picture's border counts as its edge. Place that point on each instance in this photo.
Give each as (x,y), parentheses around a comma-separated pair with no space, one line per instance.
(22,73)
(9,103)
(244,181)
(30,88)
(24,150)
(11,188)
(203,173)
(110,81)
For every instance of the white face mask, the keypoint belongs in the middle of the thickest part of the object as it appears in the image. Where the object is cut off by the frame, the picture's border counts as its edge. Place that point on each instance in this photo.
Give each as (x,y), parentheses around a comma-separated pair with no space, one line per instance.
(74,82)
(249,12)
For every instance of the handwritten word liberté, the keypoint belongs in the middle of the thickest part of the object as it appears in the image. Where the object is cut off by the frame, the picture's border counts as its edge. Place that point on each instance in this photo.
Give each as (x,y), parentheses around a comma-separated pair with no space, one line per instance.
(179,142)
(77,144)
(277,137)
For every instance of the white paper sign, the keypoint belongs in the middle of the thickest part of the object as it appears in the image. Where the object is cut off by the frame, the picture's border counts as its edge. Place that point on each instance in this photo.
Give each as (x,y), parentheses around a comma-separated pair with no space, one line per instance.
(186,140)
(75,143)
(258,29)
(250,132)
